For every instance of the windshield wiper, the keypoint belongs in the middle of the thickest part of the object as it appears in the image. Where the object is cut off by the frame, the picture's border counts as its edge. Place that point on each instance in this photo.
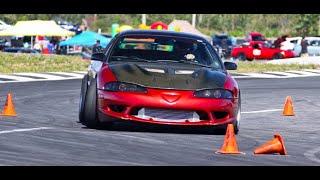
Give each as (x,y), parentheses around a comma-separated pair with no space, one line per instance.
(183,61)
(131,58)
(194,63)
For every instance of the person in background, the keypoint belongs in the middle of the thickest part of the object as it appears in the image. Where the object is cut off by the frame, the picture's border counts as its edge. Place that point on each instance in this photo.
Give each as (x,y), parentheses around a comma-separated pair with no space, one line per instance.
(97,47)
(51,47)
(304,47)
(26,45)
(277,43)
(37,47)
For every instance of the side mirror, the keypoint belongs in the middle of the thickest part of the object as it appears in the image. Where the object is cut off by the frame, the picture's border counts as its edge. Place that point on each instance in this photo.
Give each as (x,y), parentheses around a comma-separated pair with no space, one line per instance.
(98,56)
(230,65)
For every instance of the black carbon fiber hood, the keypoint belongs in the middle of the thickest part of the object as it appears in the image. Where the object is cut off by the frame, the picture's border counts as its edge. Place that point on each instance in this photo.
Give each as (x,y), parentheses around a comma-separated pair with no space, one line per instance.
(168,76)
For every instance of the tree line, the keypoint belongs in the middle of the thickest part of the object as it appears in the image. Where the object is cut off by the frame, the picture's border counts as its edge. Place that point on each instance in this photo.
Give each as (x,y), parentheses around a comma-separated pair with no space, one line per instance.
(271,25)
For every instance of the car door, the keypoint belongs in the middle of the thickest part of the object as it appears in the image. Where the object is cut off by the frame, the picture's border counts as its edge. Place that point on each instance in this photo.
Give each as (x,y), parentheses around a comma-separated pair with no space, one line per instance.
(313,47)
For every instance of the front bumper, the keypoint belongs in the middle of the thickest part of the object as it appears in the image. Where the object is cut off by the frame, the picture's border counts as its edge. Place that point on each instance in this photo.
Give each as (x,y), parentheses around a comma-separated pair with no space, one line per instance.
(214,111)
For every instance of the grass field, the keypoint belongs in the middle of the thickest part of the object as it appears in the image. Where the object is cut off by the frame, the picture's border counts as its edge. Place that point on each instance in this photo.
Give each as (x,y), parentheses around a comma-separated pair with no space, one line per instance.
(15,63)
(245,67)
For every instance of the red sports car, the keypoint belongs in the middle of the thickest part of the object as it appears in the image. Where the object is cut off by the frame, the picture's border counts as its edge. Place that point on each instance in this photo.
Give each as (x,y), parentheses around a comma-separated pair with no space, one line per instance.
(258,50)
(159,77)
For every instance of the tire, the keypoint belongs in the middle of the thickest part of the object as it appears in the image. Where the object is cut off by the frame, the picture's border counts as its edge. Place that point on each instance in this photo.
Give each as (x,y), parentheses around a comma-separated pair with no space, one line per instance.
(241,57)
(236,123)
(84,86)
(90,118)
(277,56)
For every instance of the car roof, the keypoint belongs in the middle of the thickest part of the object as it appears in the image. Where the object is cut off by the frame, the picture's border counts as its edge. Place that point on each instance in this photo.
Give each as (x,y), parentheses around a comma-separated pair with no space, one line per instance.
(162,33)
(293,38)
(312,38)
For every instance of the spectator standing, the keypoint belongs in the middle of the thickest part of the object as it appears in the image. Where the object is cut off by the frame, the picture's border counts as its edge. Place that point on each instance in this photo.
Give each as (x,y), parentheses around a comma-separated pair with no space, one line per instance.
(277,43)
(51,47)
(97,47)
(304,47)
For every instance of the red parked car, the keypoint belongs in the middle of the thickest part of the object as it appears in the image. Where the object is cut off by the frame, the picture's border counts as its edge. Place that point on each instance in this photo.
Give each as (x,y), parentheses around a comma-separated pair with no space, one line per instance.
(255,36)
(160,77)
(257,50)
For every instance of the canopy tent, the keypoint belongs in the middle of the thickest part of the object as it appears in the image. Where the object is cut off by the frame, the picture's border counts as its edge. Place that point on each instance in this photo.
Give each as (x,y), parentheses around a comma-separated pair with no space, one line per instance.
(86,38)
(185,26)
(36,28)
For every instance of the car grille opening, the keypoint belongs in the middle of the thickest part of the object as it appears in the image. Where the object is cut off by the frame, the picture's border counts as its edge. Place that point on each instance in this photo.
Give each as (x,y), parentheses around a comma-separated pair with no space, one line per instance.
(203,115)
(170,115)
(117,108)
(220,114)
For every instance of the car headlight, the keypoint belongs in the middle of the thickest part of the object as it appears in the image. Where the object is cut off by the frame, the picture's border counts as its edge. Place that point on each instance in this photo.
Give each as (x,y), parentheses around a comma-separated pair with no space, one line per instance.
(124,87)
(214,93)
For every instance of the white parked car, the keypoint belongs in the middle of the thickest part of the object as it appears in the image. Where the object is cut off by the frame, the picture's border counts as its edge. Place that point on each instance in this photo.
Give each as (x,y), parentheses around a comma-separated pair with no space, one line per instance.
(313,46)
(294,43)
(4,25)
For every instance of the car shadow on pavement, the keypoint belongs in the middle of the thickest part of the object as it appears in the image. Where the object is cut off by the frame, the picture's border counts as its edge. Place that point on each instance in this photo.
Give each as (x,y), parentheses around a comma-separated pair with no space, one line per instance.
(140,127)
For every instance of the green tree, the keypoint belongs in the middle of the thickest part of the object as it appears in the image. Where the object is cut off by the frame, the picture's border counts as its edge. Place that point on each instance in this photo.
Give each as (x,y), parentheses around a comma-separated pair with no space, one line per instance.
(307,25)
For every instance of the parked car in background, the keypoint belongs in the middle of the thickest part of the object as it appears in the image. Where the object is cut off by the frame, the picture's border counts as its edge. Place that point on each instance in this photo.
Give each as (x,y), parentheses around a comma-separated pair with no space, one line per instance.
(240,41)
(4,25)
(223,44)
(69,26)
(256,37)
(259,51)
(313,46)
(20,50)
(294,44)
(3,44)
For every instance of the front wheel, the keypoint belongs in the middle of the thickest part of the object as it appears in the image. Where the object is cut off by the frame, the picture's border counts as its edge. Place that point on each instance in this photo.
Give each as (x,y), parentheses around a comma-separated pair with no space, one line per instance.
(236,123)
(277,56)
(90,118)
(83,92)
(241,57)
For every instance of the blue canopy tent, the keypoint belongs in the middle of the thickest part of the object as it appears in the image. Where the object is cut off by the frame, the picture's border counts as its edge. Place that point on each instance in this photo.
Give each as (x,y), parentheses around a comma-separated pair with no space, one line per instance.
(86,38)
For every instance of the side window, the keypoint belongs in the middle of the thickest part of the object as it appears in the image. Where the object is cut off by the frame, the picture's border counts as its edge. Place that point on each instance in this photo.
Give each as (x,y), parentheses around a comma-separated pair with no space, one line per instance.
(313,43)
(216,59)
(294,41)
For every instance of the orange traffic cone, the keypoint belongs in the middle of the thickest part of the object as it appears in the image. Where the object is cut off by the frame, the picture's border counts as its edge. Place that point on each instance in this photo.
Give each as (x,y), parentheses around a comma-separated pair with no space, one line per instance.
(230,143)
(276,145)
(8,109)
(288,107)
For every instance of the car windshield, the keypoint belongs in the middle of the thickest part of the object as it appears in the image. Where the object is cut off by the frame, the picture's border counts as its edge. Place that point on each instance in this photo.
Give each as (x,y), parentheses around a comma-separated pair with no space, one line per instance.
(158,49)
(258,38)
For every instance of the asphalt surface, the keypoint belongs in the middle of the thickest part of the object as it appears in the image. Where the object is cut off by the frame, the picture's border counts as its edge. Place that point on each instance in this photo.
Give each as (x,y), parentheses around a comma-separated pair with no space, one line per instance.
(61,140)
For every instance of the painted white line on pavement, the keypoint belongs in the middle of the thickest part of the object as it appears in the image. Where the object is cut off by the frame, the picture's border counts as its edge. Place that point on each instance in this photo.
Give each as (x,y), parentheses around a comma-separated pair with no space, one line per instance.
(260,75)
(283,74)
(15,78)
(313,70)
(261,111)
(46,76)
(311,154)
(24,130)
(68,74)
(304,73)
